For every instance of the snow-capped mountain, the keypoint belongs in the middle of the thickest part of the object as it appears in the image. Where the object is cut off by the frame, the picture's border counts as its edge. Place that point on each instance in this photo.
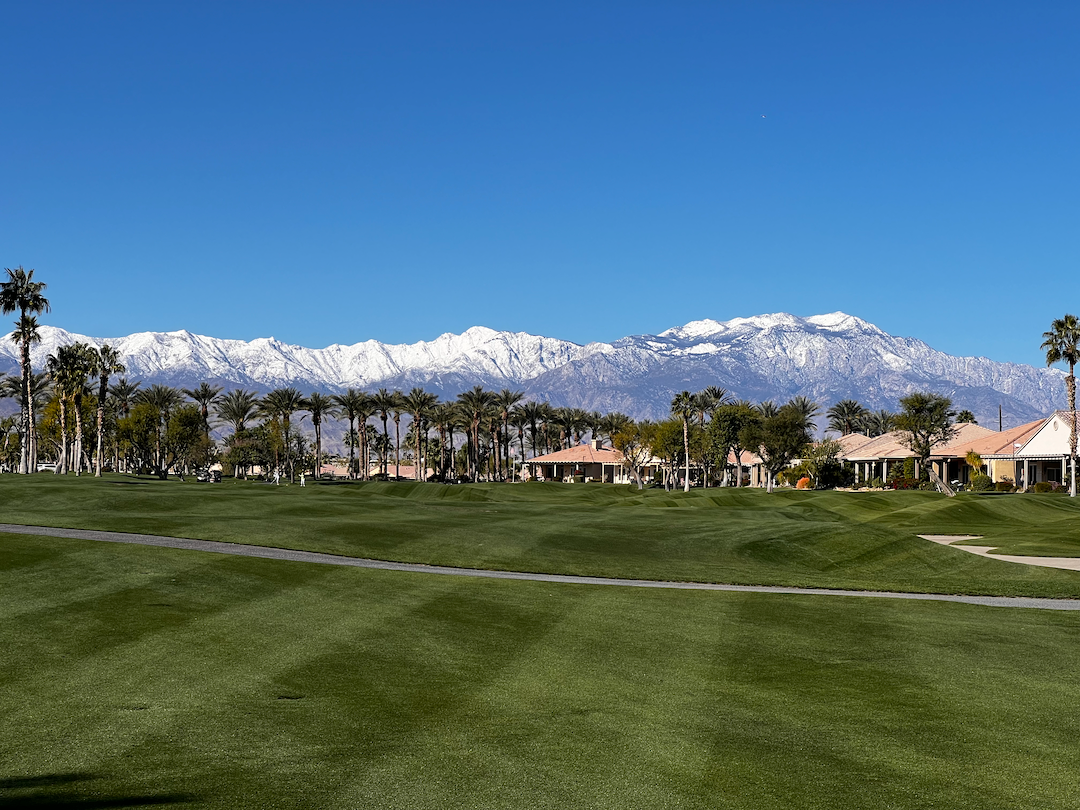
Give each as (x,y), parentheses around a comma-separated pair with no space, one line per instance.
(825,357)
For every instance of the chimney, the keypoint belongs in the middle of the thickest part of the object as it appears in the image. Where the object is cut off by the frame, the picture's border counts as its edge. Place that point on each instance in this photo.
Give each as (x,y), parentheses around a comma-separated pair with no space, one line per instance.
(597,444)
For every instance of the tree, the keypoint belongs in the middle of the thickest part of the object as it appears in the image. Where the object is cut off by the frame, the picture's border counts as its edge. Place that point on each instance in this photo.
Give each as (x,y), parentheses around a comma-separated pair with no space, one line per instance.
(69,368)
(847,416)
(878,423)
(505,401)
(279,405)
(778,440)
(162,400)
(475,403)
(384,402)
(1062,345)
(966,417)
(236,409)
(726,429)
(419,404)
(204,396)
(807,409)
(925,420)
(634,441)
(20,292)
(62,371)
(667,445)
(684,407)
(351,405)
(106,363)
(318,405)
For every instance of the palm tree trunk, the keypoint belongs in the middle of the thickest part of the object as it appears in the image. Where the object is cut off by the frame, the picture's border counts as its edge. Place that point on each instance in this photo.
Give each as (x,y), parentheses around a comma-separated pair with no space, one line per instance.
(1070,384)
(78,435)
(61,464)
(100,424)
(352,447)
(686,449)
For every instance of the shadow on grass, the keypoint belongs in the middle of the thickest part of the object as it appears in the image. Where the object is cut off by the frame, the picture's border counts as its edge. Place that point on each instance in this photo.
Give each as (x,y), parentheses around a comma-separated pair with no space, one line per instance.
(70,790)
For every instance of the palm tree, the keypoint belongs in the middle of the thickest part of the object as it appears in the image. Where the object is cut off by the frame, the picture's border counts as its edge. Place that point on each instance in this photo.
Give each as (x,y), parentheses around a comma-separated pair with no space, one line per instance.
(204,396)
(419,404)
(534,414)
(318,405)
(806,408)
(350,404)
(519,418)
(123,394)
(384,402)
(236,409)
(20,292)
(61,370)
(163,399)
(611,424)
(106,363)
(474,404)
(878,423)
(1062,345)
(25,335)
(505,401)
(684,407)
(282,403)
(70,367)
(847,416)
(767,409)
(397,409)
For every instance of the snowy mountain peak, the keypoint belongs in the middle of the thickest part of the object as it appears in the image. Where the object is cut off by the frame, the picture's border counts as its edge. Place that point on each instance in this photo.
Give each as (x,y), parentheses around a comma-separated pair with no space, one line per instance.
(766,357)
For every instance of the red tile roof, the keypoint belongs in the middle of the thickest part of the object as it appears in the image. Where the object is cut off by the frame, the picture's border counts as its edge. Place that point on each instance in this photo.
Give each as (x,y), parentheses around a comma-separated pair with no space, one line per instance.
(582,454)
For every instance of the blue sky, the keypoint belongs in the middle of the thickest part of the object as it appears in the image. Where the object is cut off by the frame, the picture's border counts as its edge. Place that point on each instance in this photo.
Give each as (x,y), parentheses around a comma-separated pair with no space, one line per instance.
(329,173)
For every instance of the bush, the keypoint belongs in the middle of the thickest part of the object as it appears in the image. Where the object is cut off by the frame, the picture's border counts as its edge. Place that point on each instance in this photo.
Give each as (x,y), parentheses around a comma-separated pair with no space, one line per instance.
(927,486)
(803,483)
(980,482)
(877,483)
(905,483)
(1004,486)
(1044,486)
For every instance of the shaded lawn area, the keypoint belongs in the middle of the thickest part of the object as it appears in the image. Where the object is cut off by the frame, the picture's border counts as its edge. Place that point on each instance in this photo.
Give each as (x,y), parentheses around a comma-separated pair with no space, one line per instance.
(822,539)
(141,676)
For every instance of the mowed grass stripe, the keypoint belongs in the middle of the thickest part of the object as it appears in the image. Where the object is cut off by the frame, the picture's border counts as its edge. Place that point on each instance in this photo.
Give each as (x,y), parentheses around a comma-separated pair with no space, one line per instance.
(862,541)
(431,692)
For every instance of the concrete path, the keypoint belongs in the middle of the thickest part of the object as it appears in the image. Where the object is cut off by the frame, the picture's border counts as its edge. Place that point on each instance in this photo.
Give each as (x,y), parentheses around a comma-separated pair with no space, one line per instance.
(243,550)
(1066,563)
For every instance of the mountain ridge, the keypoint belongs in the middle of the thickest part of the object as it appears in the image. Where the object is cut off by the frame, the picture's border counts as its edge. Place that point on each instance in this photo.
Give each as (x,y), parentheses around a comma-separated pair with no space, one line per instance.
(775,356)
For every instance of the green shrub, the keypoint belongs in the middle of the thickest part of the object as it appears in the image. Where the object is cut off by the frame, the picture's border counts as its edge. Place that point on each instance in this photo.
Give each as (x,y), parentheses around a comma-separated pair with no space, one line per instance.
(980,482)
(905,483)
(927,486)
(1004,486)
(877,483)
(1044,486)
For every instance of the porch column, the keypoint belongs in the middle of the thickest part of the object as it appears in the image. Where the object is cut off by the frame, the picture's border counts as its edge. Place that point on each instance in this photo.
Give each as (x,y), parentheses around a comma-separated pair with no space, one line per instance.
(1027,475)
(885,470)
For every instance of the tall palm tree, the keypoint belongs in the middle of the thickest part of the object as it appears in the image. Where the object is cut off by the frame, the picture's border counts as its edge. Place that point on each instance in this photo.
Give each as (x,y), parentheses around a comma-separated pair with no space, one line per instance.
(505,401)
(62,373)
(318,405)
(1062,345)
(350,405)
(767,409)
(123,394)
(611,424)
(878,423)
(25,335)
(847,416)
(806,408)
(204,396)
(236,408)
(163,399)
(21,293)
(396,410)
(684,407)
(519,418)
(70,368)
(106,363)
(533,412)
(281,404)
(419,404)
(475,403)
(384,402)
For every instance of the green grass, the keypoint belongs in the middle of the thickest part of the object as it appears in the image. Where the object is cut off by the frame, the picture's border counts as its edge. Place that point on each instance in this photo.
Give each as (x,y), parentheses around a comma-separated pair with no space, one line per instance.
(137,676)
(832,539)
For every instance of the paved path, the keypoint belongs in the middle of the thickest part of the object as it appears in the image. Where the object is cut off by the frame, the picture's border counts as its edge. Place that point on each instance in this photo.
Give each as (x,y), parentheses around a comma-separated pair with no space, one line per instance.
(243,550)
(1065,563)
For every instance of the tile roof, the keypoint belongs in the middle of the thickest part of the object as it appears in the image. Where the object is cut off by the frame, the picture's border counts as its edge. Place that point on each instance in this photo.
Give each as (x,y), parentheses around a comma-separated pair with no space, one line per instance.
(997,443)
(582,454)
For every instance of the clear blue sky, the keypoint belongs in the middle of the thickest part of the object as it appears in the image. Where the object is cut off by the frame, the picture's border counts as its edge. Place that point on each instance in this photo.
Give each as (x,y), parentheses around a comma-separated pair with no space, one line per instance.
(327,172)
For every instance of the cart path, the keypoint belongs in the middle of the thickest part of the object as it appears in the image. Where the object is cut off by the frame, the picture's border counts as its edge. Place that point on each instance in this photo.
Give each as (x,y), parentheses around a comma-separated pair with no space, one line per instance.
(1065,563)
(268,552)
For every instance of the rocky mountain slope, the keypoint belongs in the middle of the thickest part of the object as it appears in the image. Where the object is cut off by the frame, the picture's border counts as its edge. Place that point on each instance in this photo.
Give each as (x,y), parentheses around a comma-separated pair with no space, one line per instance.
(825,357)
